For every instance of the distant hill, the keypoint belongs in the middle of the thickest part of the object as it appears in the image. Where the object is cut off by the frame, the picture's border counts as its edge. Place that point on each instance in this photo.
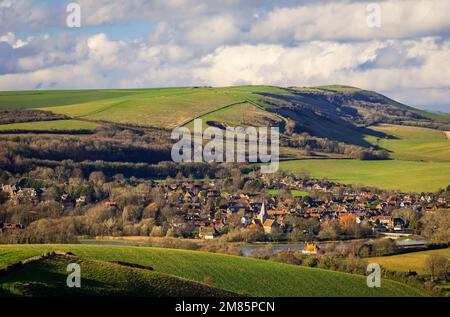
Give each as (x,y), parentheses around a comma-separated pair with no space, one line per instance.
(343,113)
(339,113)
(316,122)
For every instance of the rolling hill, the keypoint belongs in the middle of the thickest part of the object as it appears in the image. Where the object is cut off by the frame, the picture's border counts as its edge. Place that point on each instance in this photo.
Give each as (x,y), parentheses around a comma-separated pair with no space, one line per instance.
(344,109)
(47,277)
(335,112)
(228,273)
(319,125)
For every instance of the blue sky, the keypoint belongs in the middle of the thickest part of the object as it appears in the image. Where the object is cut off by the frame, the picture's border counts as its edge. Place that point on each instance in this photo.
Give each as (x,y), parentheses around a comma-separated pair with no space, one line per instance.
(159,43)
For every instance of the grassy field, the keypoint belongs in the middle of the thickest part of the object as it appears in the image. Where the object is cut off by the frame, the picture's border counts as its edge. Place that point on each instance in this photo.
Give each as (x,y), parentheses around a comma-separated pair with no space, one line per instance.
(390,174)
(147,109)
(236,274)
(156,107)
(420,161)
(242,114)
(414,144)
(294,192)
(47,278)
(51,98)
(51,125)
(414,261)
(168,108)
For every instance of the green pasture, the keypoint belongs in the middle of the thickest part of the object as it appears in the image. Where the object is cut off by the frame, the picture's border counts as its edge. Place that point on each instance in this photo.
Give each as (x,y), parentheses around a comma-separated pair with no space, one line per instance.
(232,273)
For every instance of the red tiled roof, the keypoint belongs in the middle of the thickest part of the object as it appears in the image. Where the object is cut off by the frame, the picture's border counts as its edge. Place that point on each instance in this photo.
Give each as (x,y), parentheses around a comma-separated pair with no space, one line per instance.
(269,222)
(277,212)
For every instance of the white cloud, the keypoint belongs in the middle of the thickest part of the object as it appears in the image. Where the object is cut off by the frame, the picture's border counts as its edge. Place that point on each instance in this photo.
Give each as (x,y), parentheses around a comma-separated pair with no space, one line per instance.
(310,63)
(6,4)
(393,65)
(28,15)
(96,61)
(9,38)
(211,31)
(348,20)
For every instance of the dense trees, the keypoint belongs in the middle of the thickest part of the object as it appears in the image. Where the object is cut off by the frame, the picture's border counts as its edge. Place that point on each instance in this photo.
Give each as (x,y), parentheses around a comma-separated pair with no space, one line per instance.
(302,229)
(329,230)
(59,148)
(310,144)
(436,226)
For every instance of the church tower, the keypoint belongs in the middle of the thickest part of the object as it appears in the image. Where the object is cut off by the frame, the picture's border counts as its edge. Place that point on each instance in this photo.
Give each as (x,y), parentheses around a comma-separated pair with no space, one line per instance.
(262,216)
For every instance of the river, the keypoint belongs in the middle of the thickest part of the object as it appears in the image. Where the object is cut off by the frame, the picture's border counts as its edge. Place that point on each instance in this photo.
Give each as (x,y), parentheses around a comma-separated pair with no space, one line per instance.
(248,250)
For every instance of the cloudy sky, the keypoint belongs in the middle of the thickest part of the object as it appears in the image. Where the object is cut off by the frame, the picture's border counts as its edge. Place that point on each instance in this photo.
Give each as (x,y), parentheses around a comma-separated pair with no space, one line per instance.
(159,43)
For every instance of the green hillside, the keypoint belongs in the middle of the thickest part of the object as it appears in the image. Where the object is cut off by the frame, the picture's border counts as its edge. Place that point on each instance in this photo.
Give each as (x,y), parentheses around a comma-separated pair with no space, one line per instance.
(363,120)
(413,143)
(236,274)
(420,161)
(241,114)
(50,98)
(169,107)
(162,108)
(47,277)
(148,109)
(390,174)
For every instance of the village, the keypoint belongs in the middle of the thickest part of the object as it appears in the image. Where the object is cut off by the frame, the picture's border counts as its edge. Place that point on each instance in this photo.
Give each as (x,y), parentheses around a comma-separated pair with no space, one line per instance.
(208,208)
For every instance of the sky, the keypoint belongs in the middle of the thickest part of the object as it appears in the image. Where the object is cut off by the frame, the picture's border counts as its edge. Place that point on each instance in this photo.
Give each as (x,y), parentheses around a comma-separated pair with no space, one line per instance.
(400,48)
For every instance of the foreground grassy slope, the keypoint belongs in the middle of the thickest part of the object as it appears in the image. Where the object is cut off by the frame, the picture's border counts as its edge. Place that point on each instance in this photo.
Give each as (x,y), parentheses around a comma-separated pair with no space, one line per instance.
(237,274)
(414,261)
(406,176)
(47,278)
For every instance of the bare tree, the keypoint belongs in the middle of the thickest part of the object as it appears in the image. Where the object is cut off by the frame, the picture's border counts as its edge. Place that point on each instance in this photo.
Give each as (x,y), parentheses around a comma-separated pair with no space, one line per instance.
(437,266)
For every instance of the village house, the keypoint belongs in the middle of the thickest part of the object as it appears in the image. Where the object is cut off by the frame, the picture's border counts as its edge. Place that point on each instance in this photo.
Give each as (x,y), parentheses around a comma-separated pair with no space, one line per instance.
(10,190)
(206,208)
(269,225)
(310,249)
